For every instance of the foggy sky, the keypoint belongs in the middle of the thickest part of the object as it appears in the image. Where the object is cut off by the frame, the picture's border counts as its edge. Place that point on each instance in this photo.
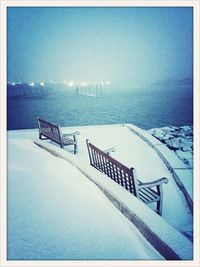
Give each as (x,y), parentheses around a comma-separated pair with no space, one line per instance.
(127,46)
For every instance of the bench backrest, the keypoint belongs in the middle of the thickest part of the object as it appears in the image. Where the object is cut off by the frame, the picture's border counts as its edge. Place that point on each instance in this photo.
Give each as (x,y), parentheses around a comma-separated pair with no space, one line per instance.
(113,168)
(50,130)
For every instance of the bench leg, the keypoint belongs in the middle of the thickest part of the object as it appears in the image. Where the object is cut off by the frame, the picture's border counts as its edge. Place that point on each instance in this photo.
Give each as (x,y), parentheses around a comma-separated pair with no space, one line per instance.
(160,202)
(61,145)
(42,138)
(75,148)
(159,207)
(75,144)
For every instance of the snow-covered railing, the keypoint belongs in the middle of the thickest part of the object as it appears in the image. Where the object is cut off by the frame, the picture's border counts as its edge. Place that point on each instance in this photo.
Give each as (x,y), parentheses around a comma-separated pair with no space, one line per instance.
(92,91)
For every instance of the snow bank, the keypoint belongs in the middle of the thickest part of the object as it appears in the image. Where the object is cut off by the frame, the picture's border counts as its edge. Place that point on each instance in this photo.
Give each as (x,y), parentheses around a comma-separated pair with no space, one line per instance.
(55,212)
(170,243)
(133,152)
(130,150)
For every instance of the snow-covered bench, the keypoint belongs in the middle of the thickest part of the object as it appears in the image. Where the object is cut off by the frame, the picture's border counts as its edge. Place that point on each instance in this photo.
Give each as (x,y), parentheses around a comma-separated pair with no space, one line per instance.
(147,192)
(53,132)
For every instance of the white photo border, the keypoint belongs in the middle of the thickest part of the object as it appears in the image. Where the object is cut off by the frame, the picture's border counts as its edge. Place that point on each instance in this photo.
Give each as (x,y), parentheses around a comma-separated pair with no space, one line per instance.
(3,127)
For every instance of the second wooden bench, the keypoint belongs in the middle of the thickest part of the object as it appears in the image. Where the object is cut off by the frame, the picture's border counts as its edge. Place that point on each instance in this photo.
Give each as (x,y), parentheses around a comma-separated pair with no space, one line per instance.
(147,192)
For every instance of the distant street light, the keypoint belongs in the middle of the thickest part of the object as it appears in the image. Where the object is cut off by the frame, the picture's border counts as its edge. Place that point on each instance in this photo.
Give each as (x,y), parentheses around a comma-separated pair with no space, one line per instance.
(71,83)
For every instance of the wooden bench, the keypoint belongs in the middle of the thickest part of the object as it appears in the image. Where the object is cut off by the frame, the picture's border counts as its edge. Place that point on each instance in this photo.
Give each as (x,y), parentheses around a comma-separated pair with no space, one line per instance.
(147,192)
(53,132)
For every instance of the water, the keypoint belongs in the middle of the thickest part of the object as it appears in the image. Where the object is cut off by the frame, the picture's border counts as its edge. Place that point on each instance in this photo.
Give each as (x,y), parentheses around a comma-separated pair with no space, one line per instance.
(146,108)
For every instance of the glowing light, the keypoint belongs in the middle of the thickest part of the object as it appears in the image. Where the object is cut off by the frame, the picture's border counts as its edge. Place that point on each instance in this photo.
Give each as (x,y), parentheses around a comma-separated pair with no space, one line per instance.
(71,83)
(107,82)
(42,84)
(32,84)
(13,83)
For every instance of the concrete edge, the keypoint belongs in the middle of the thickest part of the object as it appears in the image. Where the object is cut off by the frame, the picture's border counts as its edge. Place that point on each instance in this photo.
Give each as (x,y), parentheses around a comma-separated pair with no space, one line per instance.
(168,250)
(177,179)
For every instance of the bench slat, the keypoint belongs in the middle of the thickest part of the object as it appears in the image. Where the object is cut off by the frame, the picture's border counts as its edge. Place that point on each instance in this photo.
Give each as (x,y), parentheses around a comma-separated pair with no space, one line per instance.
(148,197)
(67,141)
(150,193)
(148,201)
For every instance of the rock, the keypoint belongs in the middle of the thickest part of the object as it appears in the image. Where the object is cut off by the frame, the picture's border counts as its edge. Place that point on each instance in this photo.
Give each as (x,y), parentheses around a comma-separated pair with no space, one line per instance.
(186,128)
(187,144)
(168,129)
(179,139)
(175,143)
(158,133)
(186,148)
(174,128)
(167,136)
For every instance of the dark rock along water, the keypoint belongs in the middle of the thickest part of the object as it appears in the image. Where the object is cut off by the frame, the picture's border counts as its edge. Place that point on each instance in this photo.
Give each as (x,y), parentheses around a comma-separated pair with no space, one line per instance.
(146,108)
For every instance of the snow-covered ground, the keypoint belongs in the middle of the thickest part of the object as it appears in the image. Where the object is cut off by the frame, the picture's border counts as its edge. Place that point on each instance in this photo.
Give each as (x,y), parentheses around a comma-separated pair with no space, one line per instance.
(134,152)
(55,212)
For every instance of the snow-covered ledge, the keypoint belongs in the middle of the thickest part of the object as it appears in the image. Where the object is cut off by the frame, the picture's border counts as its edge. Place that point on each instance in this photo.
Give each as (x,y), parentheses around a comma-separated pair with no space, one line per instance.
(171,244)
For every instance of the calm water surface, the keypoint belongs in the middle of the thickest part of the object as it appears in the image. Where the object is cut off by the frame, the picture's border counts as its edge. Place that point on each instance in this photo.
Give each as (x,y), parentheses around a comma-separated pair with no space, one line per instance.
(146,108)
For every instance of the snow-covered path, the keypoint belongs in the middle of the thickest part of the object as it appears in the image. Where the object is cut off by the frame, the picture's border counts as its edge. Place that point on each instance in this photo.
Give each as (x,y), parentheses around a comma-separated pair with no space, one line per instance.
(55,212)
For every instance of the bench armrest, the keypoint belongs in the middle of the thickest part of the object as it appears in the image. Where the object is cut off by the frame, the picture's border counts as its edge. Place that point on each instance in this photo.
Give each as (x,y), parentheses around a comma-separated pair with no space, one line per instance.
(154,183)
(109,150)
(70,134)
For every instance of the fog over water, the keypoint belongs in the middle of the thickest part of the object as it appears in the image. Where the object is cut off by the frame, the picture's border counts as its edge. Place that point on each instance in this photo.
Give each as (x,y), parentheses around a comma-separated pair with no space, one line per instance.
(145,53)
(129,46)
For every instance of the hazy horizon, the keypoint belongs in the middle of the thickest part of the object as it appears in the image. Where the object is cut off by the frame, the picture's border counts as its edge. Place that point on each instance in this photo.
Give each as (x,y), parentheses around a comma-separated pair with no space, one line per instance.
(129,46)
